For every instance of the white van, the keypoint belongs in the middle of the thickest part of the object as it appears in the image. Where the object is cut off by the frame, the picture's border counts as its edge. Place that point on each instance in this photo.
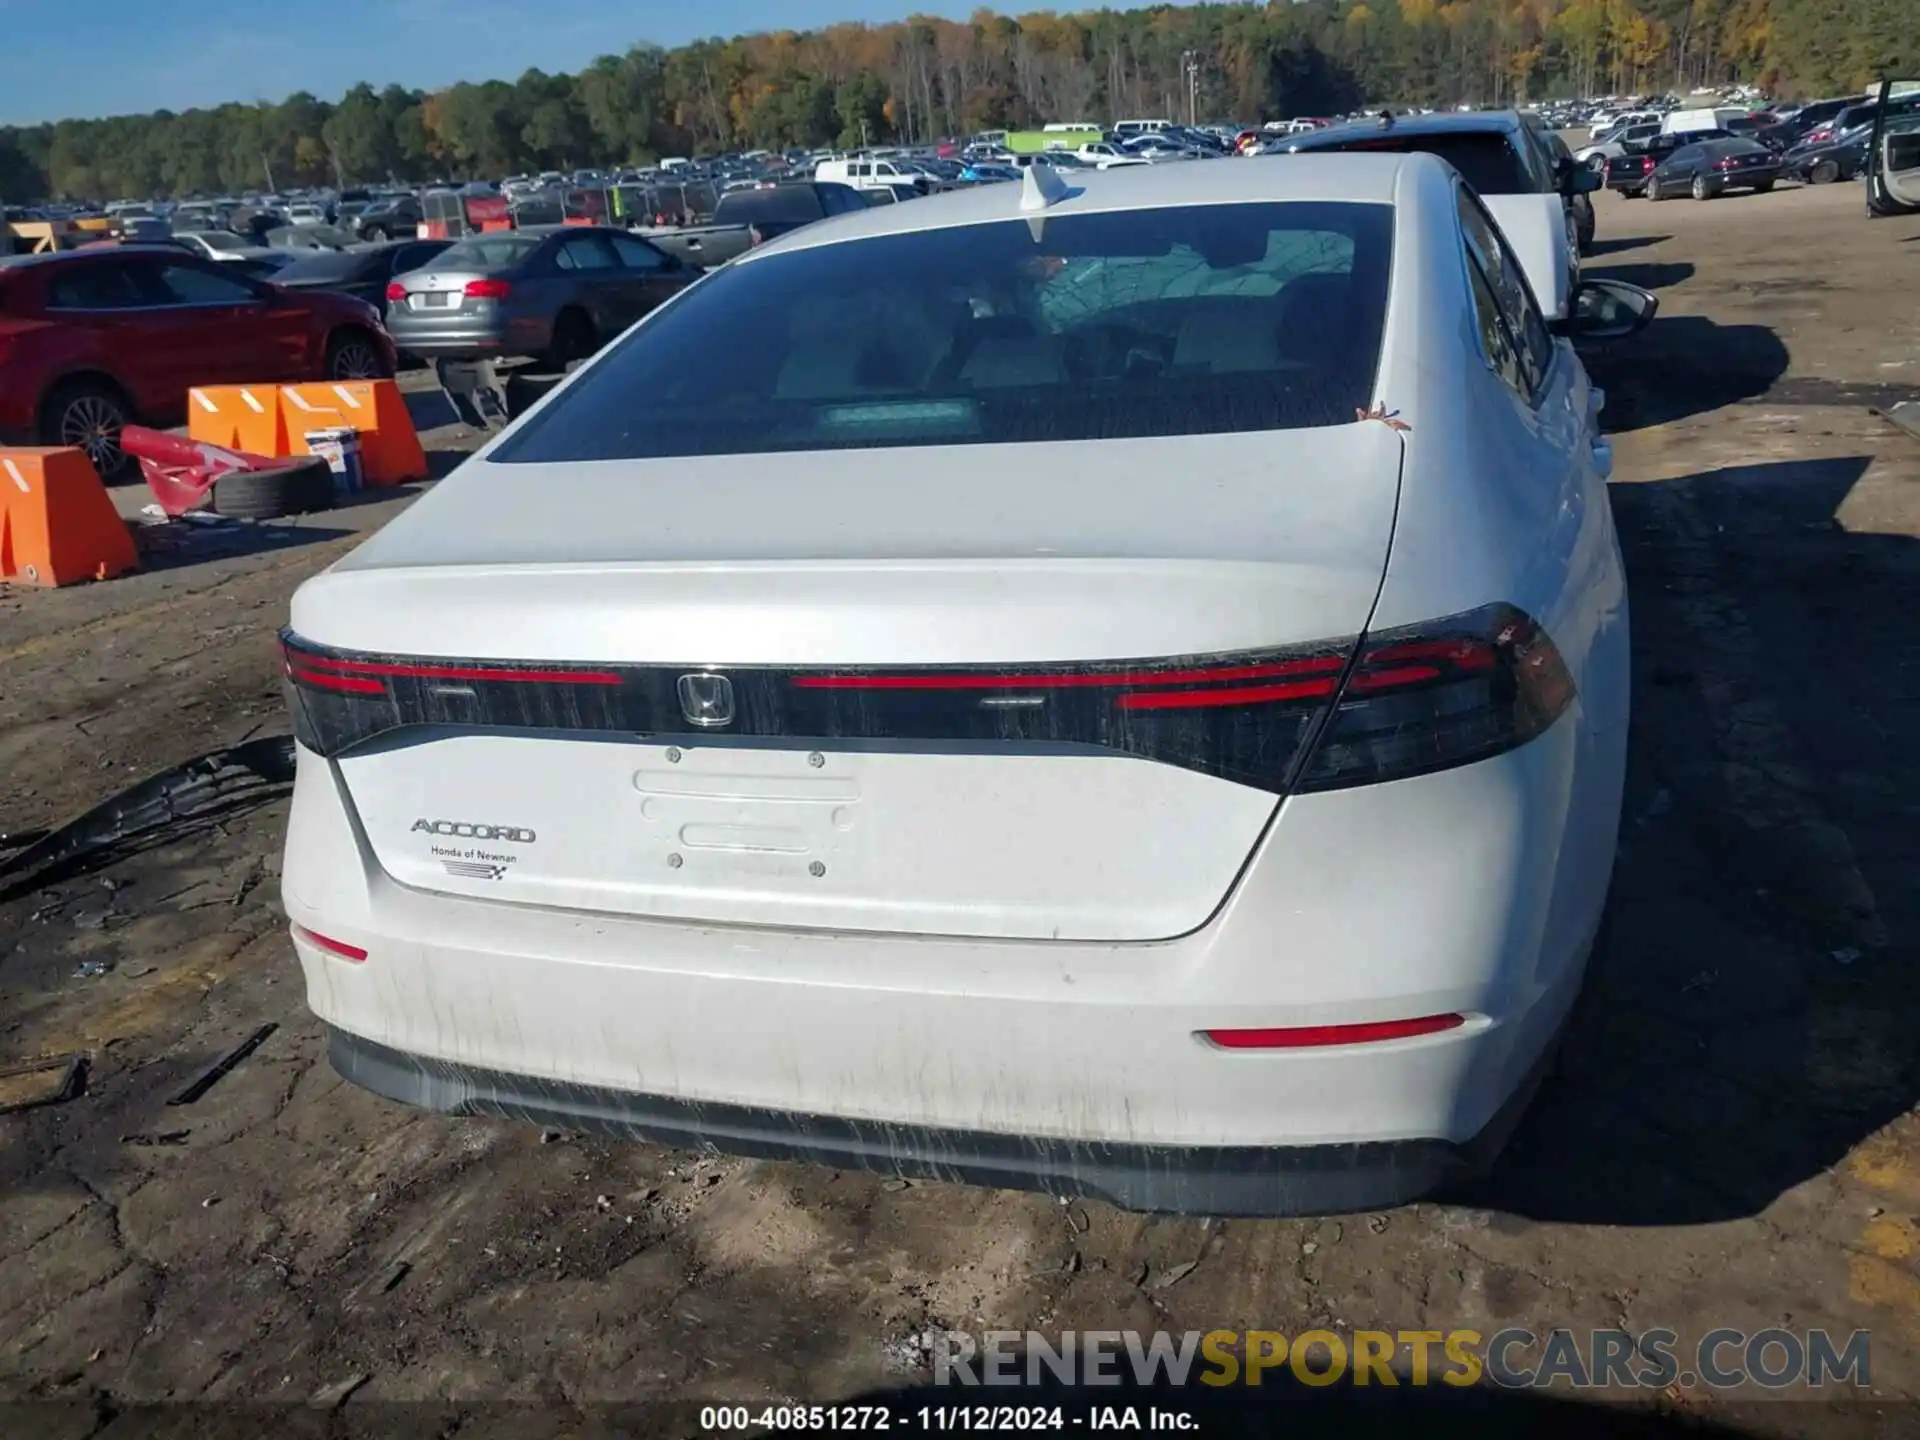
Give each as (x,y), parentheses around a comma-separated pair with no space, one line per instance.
(1127,129)
(1683,122)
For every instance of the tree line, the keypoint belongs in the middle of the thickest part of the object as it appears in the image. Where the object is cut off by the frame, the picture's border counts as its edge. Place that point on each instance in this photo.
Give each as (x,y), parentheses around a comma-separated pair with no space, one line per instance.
(925,77)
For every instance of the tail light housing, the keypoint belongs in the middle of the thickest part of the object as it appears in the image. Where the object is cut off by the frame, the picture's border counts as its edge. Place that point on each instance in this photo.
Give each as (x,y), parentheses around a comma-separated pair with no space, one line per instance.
(487,290)
(396,291)
(1322,716)
(1430,697)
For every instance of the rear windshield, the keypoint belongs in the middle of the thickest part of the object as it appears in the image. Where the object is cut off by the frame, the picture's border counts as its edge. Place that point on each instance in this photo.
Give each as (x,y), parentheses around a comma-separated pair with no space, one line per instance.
(487,252)
(780,202)
(1485,158)
(1177,321)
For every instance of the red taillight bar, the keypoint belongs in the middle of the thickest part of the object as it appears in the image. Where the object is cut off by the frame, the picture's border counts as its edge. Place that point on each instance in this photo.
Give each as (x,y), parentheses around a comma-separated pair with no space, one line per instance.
(345,684)
(308,668)
(1306,1037)
(1236,695)
(331,946)
(1041,680)
(487,289)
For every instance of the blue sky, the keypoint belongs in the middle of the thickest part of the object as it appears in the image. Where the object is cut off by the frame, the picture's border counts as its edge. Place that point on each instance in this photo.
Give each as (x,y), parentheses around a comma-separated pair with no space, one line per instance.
(119,57)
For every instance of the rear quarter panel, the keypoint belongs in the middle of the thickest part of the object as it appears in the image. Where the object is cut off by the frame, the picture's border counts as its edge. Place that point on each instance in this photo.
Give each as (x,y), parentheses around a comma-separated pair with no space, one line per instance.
(1501,501)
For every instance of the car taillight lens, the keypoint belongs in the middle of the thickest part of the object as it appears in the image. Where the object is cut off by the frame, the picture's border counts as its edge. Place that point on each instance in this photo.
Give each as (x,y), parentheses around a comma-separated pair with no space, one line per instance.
(1430,697)
(396,291)
(1310,717)
(487,289)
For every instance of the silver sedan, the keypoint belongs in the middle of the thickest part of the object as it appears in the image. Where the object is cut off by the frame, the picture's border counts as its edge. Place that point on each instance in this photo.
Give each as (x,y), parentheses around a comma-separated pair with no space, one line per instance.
(555,294)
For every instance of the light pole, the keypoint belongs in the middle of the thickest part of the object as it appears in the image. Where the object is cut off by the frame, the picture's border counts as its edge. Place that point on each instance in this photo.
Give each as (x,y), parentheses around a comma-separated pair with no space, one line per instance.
(1190,62)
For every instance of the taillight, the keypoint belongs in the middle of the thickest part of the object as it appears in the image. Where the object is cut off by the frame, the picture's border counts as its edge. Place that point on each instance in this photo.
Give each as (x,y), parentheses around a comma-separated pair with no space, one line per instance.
(487,289)
(1430,697)
(1313,717)
(396,291)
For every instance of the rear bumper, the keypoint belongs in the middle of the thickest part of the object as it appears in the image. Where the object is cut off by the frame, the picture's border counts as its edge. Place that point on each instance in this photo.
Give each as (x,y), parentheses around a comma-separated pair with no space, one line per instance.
(1177,1179)
(1059,1065)
(494,336)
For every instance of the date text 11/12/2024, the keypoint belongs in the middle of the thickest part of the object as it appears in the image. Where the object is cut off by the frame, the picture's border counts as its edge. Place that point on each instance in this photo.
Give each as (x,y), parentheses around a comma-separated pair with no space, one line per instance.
(938,1419)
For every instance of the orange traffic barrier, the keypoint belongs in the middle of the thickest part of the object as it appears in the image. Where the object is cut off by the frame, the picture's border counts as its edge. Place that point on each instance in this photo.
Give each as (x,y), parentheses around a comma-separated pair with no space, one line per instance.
(389,445)
(238,417)
(57,522)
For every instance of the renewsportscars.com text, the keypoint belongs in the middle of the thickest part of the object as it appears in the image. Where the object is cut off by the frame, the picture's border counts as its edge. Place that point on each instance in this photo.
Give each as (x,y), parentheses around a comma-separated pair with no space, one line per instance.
(1772,1359)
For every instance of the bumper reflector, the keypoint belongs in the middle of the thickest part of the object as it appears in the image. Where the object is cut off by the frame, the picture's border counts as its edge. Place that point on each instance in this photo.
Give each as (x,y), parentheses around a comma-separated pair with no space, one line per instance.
(330,945)
(1303,1037)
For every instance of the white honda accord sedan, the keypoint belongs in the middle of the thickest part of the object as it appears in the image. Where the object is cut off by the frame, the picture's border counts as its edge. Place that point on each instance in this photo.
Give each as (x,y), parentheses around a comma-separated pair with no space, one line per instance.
(1115,686)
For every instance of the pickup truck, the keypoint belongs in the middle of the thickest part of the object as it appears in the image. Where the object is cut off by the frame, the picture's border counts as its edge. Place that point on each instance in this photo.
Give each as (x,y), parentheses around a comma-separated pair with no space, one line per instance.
(746,218)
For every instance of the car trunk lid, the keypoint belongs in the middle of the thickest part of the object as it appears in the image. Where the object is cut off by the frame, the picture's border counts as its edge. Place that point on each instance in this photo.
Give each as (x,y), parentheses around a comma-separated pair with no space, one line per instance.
(958,684)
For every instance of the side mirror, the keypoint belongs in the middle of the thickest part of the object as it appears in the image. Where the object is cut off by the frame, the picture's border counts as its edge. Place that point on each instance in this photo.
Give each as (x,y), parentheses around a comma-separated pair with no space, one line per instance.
(1609,310)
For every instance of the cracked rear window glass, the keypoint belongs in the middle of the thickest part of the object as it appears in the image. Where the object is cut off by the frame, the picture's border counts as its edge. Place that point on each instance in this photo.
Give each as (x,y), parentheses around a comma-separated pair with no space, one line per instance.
(1175,321)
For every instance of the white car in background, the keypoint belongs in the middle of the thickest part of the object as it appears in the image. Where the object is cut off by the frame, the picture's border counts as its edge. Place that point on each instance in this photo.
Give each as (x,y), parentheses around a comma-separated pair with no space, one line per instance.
(1613,142)
(223,245)
(1115,686)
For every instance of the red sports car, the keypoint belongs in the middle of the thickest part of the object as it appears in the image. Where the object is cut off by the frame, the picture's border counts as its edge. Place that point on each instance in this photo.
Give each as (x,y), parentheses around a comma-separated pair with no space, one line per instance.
(91,340)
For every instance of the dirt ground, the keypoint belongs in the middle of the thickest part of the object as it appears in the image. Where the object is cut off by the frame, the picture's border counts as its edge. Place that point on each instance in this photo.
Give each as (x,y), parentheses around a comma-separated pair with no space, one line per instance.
(1729,1142)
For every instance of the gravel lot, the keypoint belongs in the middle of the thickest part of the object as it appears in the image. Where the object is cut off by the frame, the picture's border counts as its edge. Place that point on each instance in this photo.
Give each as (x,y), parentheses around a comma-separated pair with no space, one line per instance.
(1729,1142)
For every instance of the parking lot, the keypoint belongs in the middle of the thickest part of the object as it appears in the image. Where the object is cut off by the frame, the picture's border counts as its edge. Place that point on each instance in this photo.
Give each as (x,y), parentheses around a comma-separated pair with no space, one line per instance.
(1727,1142)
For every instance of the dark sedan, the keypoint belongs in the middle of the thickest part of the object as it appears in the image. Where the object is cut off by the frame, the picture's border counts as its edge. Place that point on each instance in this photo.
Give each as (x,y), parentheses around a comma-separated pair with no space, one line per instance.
(1841,157)
(364,272)
(1713,167)
(1627,173)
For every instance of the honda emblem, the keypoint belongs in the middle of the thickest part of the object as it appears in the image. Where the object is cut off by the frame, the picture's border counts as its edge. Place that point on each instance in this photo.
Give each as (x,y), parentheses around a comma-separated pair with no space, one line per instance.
(706,700)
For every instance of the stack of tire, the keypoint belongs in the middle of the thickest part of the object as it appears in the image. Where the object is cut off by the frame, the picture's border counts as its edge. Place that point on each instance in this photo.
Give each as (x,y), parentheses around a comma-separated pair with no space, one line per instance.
(295,489)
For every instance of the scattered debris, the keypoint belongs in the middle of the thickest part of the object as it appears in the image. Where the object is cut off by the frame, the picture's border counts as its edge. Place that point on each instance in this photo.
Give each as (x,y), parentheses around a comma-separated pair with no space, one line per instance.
(1077,1218)
(400,1270)
(140,971)
(552,1137)
(1140,1273)
(238,778)
(896,1184)
(1377,1224)
(1174,1274)
(603,1202)
(224,1065)
(93,919)
(164,1137)
(1310,1247)
(905,1354)
(332,1397)
(209,1202)
(50,1081)
(91,969)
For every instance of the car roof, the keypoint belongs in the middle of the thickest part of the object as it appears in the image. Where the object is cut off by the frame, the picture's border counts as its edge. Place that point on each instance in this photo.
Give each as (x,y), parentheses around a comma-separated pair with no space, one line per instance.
(1359,179)
(1475,122)
(92,252)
